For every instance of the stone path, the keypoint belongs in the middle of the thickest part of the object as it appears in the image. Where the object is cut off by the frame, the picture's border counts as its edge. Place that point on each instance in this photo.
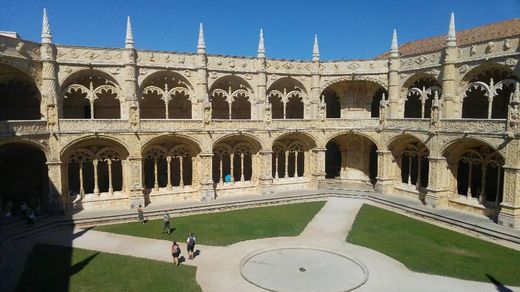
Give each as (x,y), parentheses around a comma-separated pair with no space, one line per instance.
(218,268)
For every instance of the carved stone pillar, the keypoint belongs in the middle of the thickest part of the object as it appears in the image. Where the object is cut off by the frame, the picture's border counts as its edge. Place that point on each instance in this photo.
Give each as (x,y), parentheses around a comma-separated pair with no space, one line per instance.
(168,172)
(57,197)
(395,104)
(130,110)
(510,207)
(266,179)
(95,164)
(110,185)
(49,102)
(319,165)
(261,91)
(438,189)
(202,85)
(385,179)
(207,191)
(452,108)
(315,90)
(133,167)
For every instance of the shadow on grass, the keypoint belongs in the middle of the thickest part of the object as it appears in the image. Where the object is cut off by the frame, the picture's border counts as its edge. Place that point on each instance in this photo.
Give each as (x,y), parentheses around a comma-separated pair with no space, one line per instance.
(500,287)
(76,268)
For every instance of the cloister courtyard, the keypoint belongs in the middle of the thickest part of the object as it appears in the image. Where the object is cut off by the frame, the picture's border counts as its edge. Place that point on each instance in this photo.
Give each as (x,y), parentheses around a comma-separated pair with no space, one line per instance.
(326,243)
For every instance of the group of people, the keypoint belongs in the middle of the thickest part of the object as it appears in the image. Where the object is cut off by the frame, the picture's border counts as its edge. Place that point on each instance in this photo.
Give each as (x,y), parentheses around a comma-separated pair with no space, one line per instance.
(175,248)
(27,211)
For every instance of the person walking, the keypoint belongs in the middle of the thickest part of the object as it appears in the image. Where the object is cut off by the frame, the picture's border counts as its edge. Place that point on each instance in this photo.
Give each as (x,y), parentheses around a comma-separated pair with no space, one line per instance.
(176,252)
(191,245)
(166,221)
(140,214)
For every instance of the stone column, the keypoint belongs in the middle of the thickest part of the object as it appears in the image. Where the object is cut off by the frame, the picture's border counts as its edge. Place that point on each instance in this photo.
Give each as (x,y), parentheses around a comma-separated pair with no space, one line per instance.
(110,185)
(57,197)
(276,158)
(130,101)
(438,190)
(134,170)
(168,172)
(452,107)
(319,165)
(155,176)
(510,207)
(266,179)
(221,173)
(232,166)
(96,178)
(242,178)
(395,109)
(207,191)
(261,90)
(50,89)
(181,172)
(385,179)
(286,174)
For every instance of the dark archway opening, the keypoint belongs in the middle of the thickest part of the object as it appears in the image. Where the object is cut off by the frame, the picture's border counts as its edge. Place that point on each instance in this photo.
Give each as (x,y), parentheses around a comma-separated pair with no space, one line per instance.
(333,106)
(19,100)
(23,174)
(332,160)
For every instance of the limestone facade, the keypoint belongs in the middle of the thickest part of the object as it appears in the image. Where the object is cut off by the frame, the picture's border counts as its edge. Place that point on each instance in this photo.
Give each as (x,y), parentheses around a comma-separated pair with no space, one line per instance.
(123,127)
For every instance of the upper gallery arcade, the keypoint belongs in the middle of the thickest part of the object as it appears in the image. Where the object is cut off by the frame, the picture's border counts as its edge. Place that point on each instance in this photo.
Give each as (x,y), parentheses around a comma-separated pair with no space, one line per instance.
(435,119)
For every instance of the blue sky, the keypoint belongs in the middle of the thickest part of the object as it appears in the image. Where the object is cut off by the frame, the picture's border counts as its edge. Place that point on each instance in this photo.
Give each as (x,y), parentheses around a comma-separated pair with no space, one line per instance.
(346,29)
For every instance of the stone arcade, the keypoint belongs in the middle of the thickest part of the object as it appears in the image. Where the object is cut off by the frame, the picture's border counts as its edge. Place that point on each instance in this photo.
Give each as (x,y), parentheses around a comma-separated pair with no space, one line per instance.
(435,119)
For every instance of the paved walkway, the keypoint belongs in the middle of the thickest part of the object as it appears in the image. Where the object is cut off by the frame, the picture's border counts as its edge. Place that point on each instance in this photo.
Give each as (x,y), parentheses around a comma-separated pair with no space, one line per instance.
(218,268)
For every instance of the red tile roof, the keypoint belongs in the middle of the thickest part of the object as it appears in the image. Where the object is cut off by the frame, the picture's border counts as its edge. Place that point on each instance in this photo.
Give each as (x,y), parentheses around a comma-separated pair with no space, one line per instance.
(473,35)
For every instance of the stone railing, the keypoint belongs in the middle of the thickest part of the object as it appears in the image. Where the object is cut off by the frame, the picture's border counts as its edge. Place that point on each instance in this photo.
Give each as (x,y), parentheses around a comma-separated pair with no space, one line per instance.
(408,124)
(39,127)
(481,126)
(22,128)
(94,125)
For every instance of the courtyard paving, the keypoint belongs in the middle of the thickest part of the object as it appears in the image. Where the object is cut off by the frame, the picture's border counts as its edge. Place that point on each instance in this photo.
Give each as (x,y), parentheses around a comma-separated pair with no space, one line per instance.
(219,268)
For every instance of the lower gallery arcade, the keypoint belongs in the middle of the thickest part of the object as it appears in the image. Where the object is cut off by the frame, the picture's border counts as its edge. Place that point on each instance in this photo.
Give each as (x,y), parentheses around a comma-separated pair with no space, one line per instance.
(99,171)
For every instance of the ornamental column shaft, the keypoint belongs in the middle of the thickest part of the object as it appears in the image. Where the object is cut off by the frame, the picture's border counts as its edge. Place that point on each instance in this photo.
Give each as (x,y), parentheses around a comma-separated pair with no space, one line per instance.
(130,99)
(395,102)
(50,95)
(168,172)
(315,81)
(510,206)
(96,178)
(261,87)
(385,181)
(202,76)
(452,108)
(110,185)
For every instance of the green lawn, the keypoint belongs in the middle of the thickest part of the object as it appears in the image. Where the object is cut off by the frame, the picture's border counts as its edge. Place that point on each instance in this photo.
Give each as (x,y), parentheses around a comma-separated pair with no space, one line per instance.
(55,268)
(228,227)
(427,248)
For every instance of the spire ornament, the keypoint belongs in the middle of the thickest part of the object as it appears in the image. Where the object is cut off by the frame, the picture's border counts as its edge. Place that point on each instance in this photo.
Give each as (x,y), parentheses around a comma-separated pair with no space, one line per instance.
(201,44)
(129,40)
(261,45)
(394,48)
(451,40)
(46,29)
(315,49)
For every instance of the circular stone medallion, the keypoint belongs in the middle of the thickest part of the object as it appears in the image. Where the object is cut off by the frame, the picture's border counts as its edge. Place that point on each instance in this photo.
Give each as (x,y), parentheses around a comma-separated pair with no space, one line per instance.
(303,269)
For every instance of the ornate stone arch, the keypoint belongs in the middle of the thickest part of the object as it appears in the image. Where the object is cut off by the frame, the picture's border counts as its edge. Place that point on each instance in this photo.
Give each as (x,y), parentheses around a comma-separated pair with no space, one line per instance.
(356,133)
(84,90)
(95,140)
(190,142)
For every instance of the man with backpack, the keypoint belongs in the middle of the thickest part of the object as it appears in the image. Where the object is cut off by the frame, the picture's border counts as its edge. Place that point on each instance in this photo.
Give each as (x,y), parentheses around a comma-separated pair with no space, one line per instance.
(166,220)
(191,245)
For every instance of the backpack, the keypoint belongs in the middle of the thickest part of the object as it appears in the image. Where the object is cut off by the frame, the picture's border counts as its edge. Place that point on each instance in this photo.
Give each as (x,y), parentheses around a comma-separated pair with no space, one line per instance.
(191,242)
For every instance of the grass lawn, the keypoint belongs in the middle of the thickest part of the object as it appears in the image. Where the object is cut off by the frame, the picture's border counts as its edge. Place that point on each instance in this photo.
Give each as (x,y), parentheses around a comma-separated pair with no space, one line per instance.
(56,268)
(228,227)
(427,248)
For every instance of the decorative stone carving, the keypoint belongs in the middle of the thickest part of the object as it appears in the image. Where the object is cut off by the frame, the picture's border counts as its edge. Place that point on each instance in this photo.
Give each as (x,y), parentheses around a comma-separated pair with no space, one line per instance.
(268,113)
(513,114)
(490,48)
(464,68)
(435,116)
(207,113)
(507,45)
